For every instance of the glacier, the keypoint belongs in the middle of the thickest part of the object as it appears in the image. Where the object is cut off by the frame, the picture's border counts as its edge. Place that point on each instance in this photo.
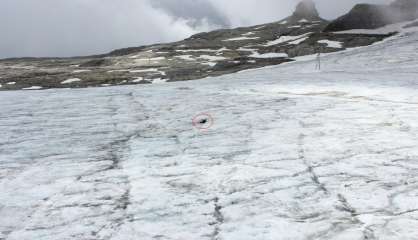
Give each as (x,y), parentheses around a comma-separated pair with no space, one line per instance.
(293,153)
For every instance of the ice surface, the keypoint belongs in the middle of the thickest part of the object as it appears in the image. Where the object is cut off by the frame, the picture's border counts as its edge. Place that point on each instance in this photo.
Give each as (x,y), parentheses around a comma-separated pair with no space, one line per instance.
(292,154)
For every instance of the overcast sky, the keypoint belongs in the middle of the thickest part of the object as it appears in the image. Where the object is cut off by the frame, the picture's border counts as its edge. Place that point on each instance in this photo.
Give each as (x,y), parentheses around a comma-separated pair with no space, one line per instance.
(83,27)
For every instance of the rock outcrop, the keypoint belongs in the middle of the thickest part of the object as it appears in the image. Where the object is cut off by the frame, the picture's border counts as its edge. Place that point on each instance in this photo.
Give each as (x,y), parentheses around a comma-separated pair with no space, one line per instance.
(372,16)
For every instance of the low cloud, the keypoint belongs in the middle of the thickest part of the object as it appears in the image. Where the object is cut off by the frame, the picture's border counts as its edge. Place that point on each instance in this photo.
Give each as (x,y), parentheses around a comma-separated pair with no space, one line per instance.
(196,13)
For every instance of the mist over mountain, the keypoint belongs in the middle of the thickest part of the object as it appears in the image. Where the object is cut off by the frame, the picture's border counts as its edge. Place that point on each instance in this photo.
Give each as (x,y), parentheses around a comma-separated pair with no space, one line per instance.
(79,27)
(369,16)
(307,10)
(196,12)
(205,54)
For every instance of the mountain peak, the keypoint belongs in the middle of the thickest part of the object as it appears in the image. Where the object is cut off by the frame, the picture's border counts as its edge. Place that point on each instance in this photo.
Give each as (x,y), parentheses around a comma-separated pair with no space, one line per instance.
(306,9)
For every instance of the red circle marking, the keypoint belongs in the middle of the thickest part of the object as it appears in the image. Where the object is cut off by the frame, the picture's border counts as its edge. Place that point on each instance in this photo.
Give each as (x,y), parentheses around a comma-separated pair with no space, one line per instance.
(197,121)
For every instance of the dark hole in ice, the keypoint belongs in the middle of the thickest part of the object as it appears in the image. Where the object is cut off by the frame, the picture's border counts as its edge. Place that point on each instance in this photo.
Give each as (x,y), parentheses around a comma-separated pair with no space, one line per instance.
(203,121)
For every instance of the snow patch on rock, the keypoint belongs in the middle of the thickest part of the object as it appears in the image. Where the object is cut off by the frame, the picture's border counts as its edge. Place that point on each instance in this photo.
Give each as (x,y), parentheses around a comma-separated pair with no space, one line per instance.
(139,79)
(240,39)
(298,41)
(212,58)
(269,55)
(248,34)
(186,57)
(144,70)
(332,44)
(283,39)
(151,59)
(158,80)
(33,88)
(81,71)
(211,64)
(202,50)
(71,80)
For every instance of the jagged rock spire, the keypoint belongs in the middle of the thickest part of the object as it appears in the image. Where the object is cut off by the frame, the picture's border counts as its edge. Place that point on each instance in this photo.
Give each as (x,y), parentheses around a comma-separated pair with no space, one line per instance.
(306,10)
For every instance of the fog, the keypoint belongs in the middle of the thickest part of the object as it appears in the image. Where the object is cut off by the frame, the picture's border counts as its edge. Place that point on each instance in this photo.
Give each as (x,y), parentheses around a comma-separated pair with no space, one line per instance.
(82,27)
